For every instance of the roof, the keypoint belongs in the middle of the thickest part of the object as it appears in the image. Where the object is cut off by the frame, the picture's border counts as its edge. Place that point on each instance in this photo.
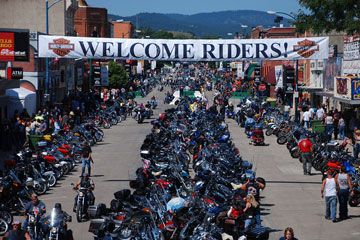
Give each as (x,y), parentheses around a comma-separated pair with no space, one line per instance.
(83,3)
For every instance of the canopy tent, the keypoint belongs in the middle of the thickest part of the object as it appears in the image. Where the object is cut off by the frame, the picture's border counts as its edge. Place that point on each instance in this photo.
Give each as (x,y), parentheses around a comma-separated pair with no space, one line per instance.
(20,98)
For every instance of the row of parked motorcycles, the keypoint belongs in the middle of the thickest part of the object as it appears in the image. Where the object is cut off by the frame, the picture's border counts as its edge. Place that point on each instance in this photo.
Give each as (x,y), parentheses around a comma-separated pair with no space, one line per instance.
(191,173)
(326,155)
(38,168)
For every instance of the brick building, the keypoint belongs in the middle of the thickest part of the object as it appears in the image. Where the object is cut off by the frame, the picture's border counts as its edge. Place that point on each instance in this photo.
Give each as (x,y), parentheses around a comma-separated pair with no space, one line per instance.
(123,29)
(91,19)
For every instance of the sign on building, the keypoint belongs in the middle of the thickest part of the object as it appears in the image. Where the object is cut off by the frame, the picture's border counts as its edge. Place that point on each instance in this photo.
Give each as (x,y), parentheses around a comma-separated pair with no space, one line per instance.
(184,50)
(342,88)
(351,48)
(14,45)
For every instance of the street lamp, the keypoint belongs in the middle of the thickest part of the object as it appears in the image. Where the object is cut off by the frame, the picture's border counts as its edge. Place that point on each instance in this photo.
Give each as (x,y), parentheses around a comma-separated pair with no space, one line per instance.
(283,13)
(47,33)
(297,113)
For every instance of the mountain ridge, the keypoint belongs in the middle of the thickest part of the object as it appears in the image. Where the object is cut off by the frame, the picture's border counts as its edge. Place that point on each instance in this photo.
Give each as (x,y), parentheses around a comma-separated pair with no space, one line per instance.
(203,24)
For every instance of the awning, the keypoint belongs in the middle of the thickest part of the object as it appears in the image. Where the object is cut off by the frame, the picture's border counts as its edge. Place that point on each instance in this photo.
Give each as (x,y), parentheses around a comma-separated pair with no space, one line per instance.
(325,94)
(348,101)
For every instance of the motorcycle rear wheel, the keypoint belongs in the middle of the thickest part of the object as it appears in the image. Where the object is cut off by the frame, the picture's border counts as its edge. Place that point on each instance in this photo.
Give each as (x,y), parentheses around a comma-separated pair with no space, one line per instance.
(354,201)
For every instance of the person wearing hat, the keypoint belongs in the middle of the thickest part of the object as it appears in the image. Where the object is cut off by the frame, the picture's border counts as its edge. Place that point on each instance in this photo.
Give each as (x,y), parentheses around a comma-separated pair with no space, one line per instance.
(16,233)
(329,189)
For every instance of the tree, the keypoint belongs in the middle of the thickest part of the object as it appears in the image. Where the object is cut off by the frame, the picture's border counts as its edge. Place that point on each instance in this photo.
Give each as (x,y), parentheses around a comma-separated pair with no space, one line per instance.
(118,76)
(325,16)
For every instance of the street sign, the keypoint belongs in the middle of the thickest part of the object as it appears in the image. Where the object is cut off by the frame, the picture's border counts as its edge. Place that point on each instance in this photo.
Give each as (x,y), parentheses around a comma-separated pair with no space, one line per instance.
(17,73)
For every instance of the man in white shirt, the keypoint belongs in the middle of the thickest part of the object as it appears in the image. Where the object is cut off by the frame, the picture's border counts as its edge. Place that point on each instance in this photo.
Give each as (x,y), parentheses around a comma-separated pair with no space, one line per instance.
(287,111)
(306,118)
(320,113)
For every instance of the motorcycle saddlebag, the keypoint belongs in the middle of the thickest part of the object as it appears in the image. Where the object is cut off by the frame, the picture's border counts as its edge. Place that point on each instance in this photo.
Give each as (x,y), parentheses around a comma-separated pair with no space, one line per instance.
(95,225)
(258,233)
(96,211)
(123,195)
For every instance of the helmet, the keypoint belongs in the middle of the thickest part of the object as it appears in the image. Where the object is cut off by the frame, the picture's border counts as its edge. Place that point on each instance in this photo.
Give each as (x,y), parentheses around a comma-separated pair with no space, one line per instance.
(162,116)
(199,185)
(72,113)
(58,206)
(224,138)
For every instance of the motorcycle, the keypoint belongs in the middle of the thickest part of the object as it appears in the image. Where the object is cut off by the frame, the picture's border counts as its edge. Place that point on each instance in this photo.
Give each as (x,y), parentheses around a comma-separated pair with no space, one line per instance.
(58,226)
(82,204)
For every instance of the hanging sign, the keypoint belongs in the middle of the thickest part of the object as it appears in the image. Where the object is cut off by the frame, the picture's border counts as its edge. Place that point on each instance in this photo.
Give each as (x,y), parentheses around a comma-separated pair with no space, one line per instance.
(183,50)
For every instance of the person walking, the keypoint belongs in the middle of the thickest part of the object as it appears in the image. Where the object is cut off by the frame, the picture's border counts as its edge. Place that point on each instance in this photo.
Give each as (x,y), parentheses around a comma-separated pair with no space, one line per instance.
(86,159)
(329,121)
(306,149)
(306,119)
(341,127)
(288,234)
(356,142)
(320,113)
(287,108)
(329,191)
(336,118)
(345,188)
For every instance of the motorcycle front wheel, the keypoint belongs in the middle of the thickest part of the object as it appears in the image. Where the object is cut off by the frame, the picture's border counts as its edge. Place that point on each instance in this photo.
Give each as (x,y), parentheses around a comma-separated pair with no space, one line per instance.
(78,213)
(52,180)
(40,189)
(4,227)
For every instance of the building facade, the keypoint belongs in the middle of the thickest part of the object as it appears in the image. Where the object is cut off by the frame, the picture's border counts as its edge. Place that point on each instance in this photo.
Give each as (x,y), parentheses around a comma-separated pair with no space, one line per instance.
(123,29)
(31,14)
(91,21)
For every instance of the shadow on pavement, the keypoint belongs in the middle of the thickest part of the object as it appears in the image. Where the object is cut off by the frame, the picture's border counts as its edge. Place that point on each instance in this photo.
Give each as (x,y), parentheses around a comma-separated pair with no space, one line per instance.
(118,180)
(318,183)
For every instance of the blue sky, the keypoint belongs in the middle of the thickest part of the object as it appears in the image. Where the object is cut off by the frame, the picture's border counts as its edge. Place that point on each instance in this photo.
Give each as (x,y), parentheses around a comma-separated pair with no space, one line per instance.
(131,7)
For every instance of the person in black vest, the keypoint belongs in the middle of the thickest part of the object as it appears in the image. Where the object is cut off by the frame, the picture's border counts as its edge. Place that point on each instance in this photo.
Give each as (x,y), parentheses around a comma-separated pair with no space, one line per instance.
(86,182)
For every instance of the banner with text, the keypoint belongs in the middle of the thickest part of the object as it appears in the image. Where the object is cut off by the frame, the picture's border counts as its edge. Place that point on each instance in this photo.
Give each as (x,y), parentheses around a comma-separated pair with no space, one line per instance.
(183,50)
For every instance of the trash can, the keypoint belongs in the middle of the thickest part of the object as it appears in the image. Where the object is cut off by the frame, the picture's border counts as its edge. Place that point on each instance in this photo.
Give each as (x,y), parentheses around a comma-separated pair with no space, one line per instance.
(319,128)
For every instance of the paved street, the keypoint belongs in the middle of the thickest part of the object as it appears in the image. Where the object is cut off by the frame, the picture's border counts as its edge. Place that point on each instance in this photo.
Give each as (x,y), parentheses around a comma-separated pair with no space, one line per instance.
(292,199)
(116,159)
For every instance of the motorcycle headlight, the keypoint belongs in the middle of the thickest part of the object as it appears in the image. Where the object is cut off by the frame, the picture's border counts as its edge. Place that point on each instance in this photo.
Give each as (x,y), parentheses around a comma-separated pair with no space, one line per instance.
(81,194)
(54,230)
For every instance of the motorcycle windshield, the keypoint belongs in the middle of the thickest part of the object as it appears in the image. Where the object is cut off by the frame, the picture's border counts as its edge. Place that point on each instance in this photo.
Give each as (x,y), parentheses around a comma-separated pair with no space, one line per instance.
(55,220)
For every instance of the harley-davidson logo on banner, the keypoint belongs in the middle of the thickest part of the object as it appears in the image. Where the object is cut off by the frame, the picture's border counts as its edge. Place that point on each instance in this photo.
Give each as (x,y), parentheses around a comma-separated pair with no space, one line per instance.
(14,45)
(183,50)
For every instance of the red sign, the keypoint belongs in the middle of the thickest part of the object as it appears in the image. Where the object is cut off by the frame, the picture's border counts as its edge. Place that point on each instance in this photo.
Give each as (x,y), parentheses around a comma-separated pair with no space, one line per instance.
(262,87)
(7,46)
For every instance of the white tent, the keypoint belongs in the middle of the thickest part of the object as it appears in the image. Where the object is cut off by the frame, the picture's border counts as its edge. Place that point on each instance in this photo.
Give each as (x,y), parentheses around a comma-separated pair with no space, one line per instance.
(20,98)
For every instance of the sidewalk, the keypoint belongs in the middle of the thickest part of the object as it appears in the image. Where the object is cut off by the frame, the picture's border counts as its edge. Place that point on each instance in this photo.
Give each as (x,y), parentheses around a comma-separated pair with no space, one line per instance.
(290,198)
